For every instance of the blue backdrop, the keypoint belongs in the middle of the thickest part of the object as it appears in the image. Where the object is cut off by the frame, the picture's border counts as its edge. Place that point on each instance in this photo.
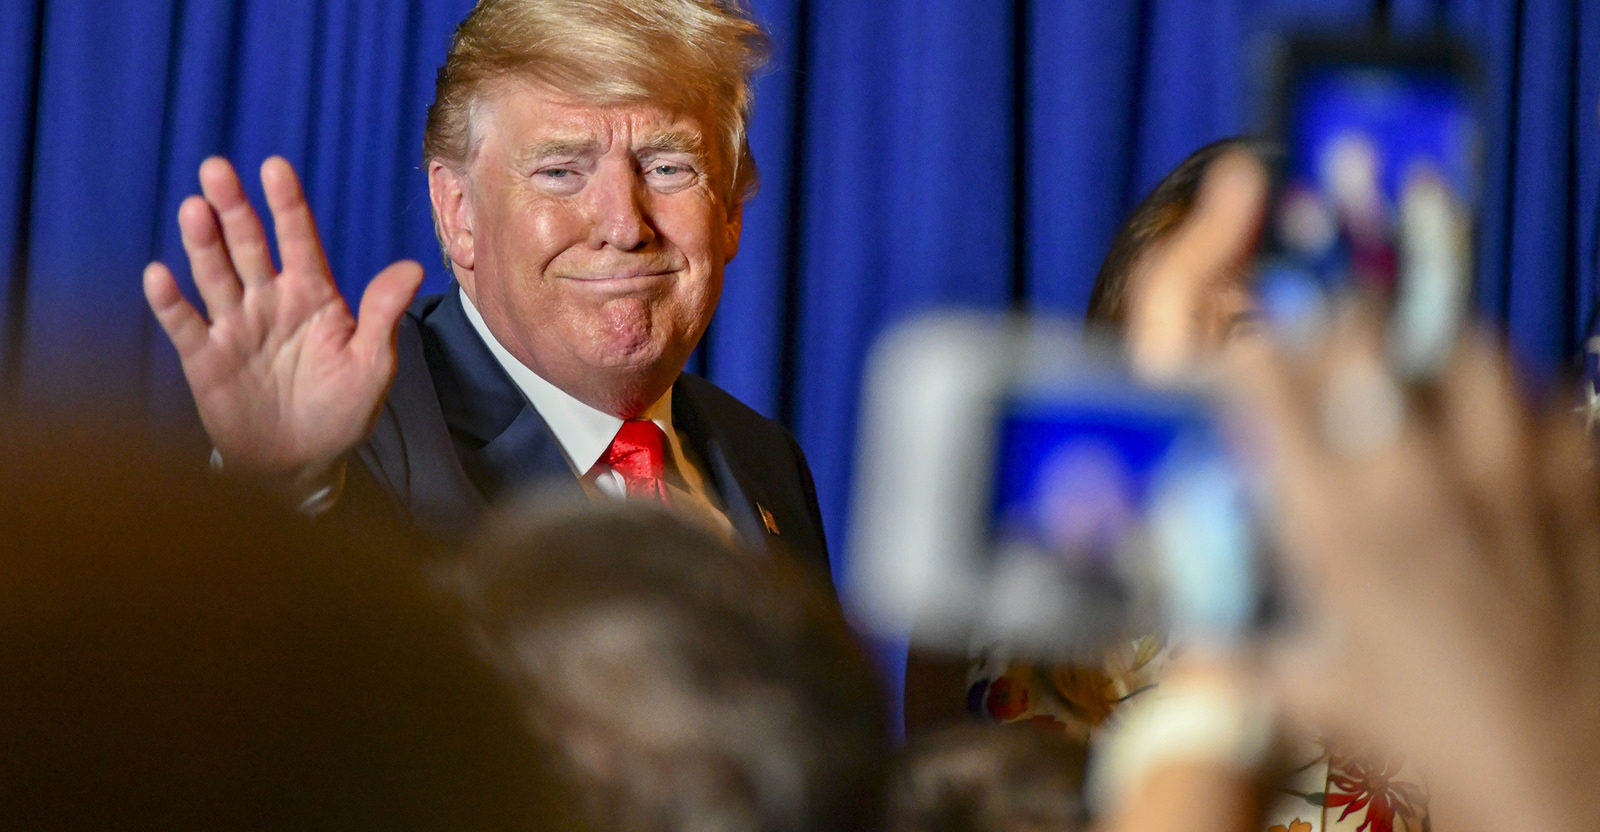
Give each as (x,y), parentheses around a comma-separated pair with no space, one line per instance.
(915,153)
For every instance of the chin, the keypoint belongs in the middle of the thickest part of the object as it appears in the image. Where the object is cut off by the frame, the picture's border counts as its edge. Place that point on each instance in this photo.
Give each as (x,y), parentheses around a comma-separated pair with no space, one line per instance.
(624,359)
(627,394)
(642,351)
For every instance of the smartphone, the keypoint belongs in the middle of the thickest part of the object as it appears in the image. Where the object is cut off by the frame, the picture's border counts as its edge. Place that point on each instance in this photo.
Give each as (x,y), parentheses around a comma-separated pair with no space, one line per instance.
(1378,183)
(1016,486)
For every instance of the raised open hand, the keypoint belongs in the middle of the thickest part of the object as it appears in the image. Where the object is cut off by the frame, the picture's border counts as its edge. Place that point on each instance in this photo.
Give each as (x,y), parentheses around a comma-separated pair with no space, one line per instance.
(285,379)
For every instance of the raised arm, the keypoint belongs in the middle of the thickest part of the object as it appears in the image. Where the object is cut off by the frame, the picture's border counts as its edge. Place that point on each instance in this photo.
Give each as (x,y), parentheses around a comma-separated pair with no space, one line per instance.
(285,379)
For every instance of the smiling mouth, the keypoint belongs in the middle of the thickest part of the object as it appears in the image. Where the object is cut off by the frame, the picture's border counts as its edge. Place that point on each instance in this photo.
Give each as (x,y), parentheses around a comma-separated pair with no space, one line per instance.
(620,280)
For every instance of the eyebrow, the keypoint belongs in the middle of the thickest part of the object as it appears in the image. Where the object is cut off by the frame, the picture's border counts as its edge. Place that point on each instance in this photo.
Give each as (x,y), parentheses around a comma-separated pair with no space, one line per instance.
(557,148)
(665,141)
(675,141)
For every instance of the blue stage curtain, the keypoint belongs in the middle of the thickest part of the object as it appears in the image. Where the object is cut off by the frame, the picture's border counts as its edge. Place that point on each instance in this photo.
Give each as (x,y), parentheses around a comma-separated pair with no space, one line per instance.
(915,153)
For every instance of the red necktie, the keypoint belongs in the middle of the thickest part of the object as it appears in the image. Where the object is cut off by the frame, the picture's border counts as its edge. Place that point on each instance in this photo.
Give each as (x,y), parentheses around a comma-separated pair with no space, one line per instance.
(638,453)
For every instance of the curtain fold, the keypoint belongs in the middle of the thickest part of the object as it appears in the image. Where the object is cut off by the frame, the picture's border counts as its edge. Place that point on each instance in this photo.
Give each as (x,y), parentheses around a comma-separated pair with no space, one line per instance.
(19,58)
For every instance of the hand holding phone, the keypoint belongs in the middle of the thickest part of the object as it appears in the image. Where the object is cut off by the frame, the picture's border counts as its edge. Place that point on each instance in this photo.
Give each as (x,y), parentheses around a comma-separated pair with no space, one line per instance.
(1378,183)
(1017,486)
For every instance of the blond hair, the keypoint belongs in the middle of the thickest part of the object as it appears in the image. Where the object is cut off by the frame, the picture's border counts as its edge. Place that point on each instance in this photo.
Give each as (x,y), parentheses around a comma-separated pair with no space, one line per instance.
(694,55)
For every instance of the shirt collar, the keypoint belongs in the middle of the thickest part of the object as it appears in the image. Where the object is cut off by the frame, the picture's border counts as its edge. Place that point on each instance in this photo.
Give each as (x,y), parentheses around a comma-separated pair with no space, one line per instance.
(583,432)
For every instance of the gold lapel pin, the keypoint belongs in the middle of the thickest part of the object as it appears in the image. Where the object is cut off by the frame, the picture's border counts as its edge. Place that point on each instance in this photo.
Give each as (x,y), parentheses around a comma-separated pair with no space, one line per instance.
(767,519)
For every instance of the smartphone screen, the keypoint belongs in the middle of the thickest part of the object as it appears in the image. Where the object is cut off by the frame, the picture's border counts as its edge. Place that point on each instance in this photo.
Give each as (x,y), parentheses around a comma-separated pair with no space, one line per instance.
(1378,184)
(1121,507)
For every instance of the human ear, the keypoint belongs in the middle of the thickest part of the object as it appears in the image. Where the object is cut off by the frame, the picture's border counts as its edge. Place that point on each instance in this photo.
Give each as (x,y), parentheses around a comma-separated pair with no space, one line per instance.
(452,213)
(730,230)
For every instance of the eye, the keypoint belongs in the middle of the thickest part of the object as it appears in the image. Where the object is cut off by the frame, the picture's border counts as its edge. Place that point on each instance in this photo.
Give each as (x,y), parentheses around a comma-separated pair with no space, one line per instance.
(669,176)
(561,181)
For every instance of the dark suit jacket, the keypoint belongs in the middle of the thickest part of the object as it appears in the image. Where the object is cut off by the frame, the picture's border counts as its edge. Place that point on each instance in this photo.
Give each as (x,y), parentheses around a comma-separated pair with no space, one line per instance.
(455,435)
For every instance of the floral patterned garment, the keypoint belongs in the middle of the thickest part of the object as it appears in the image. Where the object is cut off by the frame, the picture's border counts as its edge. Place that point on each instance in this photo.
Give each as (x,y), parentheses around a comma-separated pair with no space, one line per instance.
(1073,699)
(1335,793)
(1325,793)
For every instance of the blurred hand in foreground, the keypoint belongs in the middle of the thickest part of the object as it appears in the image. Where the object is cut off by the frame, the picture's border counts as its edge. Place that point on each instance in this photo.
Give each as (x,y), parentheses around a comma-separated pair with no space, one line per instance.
(1446,547)
(1442,545)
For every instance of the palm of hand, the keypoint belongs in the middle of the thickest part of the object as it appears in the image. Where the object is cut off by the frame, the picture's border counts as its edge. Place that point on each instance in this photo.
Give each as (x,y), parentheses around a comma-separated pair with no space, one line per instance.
(286,380)
(277,383)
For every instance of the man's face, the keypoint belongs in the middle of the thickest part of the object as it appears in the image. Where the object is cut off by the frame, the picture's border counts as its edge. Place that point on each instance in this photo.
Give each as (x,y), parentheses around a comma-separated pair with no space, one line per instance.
(591,237)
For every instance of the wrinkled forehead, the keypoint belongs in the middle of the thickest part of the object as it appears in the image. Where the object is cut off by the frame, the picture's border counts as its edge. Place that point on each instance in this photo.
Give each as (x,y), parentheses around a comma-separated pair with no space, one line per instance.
(537,111)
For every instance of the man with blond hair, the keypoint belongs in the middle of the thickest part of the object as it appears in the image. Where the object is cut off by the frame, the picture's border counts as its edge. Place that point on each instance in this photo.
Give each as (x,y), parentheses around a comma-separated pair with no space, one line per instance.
(587,162)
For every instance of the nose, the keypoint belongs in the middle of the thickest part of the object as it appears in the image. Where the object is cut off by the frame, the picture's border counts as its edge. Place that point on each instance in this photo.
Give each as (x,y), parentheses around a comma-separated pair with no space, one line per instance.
(621,217)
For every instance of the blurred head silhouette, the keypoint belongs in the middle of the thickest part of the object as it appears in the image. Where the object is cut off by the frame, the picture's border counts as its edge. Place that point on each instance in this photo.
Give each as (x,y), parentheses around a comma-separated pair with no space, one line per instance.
(685,684)
(179,653)
(989,778)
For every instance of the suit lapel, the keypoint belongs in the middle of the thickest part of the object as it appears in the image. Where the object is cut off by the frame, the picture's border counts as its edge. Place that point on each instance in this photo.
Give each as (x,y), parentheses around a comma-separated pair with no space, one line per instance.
(524,455)
(742,496)
(504,445)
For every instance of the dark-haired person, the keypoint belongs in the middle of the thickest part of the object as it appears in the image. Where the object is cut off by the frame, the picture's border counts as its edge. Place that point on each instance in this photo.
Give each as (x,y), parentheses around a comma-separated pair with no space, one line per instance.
(1455,553)
(1217,310)
(1164,332)
(587,162)
(1078,699)
(1223,307)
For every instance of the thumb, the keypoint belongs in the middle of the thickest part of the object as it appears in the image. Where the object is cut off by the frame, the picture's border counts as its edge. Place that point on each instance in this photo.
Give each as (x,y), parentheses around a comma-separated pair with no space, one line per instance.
(1217,235)
(381,304)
